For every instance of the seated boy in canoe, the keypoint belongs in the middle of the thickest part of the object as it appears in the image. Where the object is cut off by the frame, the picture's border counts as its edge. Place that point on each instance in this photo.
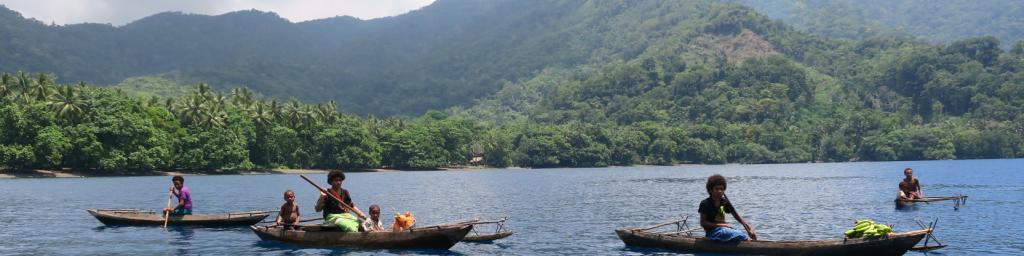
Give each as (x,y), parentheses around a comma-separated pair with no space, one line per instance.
(373,224)
(334,213)
(179,190)
(712,214)
(288,216)
(910,187)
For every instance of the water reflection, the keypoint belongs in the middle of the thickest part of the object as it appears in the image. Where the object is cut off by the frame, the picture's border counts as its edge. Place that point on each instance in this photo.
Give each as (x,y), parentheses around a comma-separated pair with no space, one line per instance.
(181,239)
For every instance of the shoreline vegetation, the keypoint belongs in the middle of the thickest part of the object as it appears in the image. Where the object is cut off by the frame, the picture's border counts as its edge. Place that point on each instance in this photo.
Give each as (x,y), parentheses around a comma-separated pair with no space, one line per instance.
(22,174)
(52,127)
(65,173)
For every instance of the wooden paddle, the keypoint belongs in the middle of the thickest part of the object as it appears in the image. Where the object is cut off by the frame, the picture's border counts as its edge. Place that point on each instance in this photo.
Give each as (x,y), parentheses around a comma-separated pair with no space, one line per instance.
(167,215)
(340,202)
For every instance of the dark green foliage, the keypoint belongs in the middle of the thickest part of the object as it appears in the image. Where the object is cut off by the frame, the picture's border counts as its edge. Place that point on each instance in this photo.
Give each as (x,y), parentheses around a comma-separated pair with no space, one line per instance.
(572,84)
(348,145)
(937,21)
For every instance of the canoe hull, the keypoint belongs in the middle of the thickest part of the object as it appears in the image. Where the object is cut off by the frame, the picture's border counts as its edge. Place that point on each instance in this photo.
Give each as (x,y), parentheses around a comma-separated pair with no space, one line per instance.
(439,237)
(143,218)
(894,244)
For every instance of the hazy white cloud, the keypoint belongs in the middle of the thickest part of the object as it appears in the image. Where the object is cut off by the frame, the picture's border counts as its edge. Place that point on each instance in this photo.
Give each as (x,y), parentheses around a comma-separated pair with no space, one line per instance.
(120,12)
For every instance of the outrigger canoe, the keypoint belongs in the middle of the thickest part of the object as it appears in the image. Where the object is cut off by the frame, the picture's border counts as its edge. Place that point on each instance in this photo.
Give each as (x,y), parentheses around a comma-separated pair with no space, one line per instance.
(140,217)
(960,200)
(683,241)
(433,237)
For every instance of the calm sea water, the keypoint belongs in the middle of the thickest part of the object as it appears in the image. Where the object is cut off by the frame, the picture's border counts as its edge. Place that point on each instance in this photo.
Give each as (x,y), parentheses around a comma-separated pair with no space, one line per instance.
(552,211)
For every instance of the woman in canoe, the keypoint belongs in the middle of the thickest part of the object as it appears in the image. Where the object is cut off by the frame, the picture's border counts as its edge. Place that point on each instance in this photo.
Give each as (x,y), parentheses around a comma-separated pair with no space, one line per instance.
(712,214)
(333,212)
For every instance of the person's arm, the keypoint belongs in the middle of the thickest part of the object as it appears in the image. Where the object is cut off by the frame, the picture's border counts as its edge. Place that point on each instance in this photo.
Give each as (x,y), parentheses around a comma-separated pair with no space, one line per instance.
(277,222)
(297,217)
(350,203)
(181,204)
(320,202)
(920,190)
(707,221)
(750,229)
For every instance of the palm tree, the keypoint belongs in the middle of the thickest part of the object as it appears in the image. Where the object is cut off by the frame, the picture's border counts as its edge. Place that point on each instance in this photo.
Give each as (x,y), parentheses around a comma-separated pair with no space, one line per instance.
(275,110)
(68,103)
(169,104)
(24,85)
(294,112)
(192,110)
(261,115)
(6,84)
(203,89)
(241,97)
(328,113)
(219,101)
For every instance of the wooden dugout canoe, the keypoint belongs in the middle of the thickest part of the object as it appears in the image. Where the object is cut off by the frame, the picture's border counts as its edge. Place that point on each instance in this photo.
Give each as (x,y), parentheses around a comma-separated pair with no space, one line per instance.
(139,217)
(433,237)
(893,244)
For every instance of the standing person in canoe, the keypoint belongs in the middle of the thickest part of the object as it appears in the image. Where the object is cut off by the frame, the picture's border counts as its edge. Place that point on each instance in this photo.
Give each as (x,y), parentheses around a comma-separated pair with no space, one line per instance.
(179,190)
(910,187)
(333,212)
(712,214)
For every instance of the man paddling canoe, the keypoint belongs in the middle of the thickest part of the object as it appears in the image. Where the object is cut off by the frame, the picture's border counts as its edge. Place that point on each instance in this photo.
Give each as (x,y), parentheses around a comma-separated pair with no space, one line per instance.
(184,206)
(910,187)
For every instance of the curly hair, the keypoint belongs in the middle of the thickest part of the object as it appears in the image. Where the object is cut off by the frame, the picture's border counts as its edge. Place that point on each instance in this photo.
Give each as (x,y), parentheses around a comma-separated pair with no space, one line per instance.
(335,175)
(178,178)
(715,180)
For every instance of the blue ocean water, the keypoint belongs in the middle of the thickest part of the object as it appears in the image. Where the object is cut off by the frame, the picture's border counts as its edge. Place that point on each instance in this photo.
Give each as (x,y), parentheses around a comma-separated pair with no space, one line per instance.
(552,211)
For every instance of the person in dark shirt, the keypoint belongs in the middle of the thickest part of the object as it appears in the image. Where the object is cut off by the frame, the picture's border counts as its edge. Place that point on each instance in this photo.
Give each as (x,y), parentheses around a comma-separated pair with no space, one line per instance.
(334,213)
(712,214)
(910,187)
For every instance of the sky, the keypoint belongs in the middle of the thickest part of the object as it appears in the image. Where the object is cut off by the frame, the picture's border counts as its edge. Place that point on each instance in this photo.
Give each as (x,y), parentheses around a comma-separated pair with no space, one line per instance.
(120,12)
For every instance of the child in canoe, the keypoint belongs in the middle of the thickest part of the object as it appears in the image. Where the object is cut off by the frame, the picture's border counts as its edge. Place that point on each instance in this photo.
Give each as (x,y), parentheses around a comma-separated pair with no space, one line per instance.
(910,187)
(184,206)
(288,216)
(373,224)
(334,213)
(712,214)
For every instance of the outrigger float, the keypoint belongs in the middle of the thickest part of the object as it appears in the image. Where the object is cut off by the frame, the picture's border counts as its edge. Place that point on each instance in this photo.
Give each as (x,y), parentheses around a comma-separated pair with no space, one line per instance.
(958,201)
(500,231)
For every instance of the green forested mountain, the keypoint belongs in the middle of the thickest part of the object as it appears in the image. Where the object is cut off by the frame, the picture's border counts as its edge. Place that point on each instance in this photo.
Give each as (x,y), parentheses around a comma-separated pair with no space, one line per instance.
(446,54)
(735,86)
(556,83)
(936,21)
